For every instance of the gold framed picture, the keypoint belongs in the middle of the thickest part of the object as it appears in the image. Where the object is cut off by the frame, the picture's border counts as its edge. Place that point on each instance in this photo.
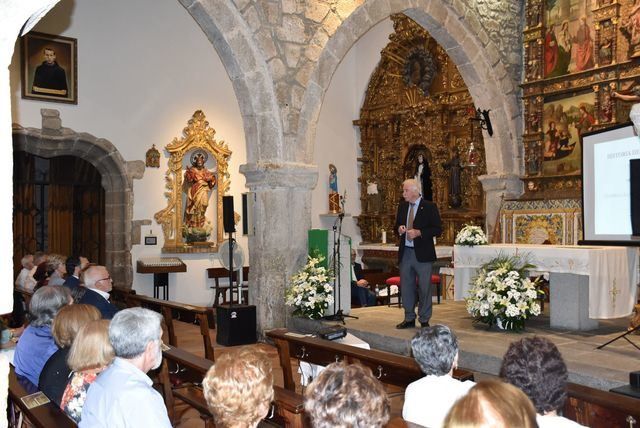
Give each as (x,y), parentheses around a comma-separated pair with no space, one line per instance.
(49,68)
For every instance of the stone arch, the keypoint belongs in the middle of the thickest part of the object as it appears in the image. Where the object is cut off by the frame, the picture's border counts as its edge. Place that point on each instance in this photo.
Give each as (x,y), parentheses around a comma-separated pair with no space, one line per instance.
(482,70)
(246,66)
(117,181)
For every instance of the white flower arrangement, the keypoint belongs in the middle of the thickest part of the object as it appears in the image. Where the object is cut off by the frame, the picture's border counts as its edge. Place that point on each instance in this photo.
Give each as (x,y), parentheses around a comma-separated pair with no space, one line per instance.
(503,294)
(471,235)
(310,293)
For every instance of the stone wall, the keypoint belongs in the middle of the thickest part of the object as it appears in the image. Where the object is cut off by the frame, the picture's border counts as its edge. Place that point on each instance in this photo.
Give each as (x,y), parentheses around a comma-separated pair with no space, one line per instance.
(281,55)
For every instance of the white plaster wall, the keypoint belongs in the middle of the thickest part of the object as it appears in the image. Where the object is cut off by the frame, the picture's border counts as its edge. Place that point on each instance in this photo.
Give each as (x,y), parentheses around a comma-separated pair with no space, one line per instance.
(337,139)
(144,67)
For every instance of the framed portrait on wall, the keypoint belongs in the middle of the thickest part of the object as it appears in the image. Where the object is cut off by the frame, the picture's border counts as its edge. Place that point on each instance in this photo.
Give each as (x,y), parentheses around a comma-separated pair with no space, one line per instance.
(49,68)
(564,120)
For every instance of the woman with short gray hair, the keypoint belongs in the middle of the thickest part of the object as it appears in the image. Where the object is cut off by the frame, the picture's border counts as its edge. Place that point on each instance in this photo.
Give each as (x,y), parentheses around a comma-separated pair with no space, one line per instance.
(427,400)
(36,344)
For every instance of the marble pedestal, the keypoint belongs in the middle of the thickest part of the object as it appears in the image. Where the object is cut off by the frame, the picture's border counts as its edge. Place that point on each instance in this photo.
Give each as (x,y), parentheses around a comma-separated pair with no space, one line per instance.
(569,301)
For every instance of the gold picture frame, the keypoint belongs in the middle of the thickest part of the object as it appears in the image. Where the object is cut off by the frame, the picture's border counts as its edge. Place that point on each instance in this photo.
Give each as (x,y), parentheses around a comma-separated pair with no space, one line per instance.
(198,139)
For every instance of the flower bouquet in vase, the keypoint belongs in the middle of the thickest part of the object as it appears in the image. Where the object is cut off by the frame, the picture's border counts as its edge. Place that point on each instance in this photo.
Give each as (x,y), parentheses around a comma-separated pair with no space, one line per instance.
(503,294)
(310,292)
(471,235)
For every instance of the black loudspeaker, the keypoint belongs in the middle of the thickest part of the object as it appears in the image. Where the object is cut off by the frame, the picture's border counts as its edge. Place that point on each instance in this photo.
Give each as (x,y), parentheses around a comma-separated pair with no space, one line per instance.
(236,324)
(227,214)
(634,179)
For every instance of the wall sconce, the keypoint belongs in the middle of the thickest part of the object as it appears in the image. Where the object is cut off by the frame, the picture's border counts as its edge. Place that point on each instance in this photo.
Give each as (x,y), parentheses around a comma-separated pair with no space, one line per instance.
(482,116)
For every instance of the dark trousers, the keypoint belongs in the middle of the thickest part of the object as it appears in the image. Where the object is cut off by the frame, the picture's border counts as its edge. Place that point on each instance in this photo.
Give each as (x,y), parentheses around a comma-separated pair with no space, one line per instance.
(412,271)
(363,296)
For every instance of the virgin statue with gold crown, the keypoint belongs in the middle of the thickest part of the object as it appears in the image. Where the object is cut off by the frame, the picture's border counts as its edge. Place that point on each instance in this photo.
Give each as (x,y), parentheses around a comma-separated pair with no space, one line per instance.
(198,182)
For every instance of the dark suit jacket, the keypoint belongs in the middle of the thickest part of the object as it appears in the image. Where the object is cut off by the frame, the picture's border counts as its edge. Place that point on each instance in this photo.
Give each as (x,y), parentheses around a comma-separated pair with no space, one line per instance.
(107,309)
(71,282)
(54,375)
(427,220)
(357,269)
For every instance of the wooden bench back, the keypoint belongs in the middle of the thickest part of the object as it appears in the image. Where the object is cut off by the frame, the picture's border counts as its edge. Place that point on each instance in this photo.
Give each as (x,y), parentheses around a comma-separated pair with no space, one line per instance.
(44,416)
(173,310)
(601,409)
(191,369)
(389,368)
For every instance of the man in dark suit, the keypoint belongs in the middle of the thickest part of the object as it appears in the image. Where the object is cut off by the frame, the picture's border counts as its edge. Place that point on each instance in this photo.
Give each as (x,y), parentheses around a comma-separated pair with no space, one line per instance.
(360,291)
(98,284)
(417,223)
(73,272)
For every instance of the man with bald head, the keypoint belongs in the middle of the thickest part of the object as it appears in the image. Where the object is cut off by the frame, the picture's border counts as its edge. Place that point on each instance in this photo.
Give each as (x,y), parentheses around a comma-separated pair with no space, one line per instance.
(417,223)
(98,284)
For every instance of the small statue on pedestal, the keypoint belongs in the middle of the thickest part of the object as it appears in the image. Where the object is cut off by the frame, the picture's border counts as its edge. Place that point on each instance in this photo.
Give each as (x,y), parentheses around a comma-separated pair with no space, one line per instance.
(334,196)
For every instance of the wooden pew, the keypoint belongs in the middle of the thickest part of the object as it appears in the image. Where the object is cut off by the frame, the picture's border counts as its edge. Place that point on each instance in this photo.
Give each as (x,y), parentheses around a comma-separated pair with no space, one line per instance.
(391,369)
(601,409)
(26,295)
(183,312)
(45,416)
(191,369)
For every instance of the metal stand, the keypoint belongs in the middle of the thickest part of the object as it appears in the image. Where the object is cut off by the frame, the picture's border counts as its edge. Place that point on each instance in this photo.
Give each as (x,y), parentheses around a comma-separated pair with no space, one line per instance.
(337,280)
(623,336)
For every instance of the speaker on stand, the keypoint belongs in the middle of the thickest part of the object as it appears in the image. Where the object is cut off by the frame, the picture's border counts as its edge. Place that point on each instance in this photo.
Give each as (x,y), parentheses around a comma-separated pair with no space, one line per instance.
(236,322)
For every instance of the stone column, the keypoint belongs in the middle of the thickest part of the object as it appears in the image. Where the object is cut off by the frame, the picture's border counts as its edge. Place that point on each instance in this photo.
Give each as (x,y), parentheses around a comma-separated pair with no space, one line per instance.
(497,188)
(282,217)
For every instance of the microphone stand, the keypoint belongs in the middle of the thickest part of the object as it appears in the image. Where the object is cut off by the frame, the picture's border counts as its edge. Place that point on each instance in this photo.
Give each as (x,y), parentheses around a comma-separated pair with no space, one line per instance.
(337,279)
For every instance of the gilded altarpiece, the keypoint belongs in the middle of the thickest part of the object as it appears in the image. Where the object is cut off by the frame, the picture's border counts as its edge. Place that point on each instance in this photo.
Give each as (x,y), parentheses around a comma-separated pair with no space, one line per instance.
(576,54)
(196,150)
(418,110)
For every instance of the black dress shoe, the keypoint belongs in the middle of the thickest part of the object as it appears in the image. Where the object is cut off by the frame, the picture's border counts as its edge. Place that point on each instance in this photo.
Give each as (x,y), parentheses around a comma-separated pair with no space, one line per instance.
(406,324)
(424,324)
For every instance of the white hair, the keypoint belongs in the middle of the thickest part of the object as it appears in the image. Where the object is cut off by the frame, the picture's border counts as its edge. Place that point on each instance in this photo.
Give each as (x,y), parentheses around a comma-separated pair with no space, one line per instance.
(132,329)
(412,183)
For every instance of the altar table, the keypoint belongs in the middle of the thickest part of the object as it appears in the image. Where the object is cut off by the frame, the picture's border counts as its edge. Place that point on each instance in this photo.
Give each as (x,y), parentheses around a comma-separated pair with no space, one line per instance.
(586,282)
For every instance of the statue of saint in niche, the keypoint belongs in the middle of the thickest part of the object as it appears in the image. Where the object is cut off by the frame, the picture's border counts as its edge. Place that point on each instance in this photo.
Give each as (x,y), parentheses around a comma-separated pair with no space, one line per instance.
(454,166)
(198,182)
(423,177)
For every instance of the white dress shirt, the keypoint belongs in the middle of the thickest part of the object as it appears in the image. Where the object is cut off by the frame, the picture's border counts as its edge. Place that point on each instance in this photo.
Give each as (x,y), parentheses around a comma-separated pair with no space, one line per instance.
(123,397)
(555,421)
(428,400)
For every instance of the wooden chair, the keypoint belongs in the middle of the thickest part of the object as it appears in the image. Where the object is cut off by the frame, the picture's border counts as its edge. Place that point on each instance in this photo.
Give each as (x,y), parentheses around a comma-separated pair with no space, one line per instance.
(220,291)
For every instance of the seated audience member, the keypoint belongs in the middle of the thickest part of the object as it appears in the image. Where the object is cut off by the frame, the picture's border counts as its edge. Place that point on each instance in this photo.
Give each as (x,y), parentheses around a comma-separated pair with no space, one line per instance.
(73,272)
(65,327)
(360,291)
(123,394)
(89,356)
(346,396)
(494,404)
(27,265)
(36,344)
(38,258)
(57,269)
(239,389)
(41,276)
(427,400)
(98,284)
(535,365)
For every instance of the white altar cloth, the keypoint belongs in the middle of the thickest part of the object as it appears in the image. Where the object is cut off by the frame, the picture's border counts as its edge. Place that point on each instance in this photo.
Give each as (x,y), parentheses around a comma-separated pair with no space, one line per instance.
(612,271)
